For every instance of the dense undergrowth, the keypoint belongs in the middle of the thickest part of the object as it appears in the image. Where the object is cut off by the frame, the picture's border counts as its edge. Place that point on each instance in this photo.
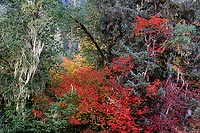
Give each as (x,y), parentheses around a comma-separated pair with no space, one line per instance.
(85,99)
(151,85)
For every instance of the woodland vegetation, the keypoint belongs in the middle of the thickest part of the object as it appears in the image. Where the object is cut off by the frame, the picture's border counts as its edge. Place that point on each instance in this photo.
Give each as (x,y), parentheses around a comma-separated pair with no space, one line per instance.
(102,66)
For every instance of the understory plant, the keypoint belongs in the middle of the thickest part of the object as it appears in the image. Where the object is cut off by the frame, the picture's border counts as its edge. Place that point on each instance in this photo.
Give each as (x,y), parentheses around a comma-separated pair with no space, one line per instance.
(176,108)
(102,101)
(147,80)
(174,51)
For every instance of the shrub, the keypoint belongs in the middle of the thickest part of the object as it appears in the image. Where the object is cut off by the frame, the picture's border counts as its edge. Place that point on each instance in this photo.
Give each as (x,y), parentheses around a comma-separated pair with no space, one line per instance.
(102,101)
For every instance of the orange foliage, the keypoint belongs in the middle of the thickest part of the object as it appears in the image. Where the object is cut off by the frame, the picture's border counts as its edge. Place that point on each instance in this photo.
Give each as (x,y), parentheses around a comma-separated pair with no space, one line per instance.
(69,66)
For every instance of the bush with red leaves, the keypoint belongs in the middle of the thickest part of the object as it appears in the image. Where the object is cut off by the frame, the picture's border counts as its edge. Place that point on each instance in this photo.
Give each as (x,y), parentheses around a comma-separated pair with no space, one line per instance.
(173,112)
(103,102)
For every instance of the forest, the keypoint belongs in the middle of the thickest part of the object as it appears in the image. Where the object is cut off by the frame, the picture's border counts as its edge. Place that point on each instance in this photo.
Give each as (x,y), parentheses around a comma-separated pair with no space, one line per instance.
(99,66)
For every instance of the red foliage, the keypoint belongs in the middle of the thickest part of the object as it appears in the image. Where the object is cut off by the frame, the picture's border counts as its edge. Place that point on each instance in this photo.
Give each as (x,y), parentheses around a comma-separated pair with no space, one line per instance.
(154,25)
(104,102)
(38,114)
(151,30)
(173,112)
(74,121)
(101,97)
(119,67)
(152,88)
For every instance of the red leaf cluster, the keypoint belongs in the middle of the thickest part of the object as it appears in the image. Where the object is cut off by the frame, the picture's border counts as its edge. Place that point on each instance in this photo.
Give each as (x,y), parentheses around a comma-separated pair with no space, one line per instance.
(101,97)
(154,25)
(173,112)
(74,121)
(153,30)
(152,88)
(38,114)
